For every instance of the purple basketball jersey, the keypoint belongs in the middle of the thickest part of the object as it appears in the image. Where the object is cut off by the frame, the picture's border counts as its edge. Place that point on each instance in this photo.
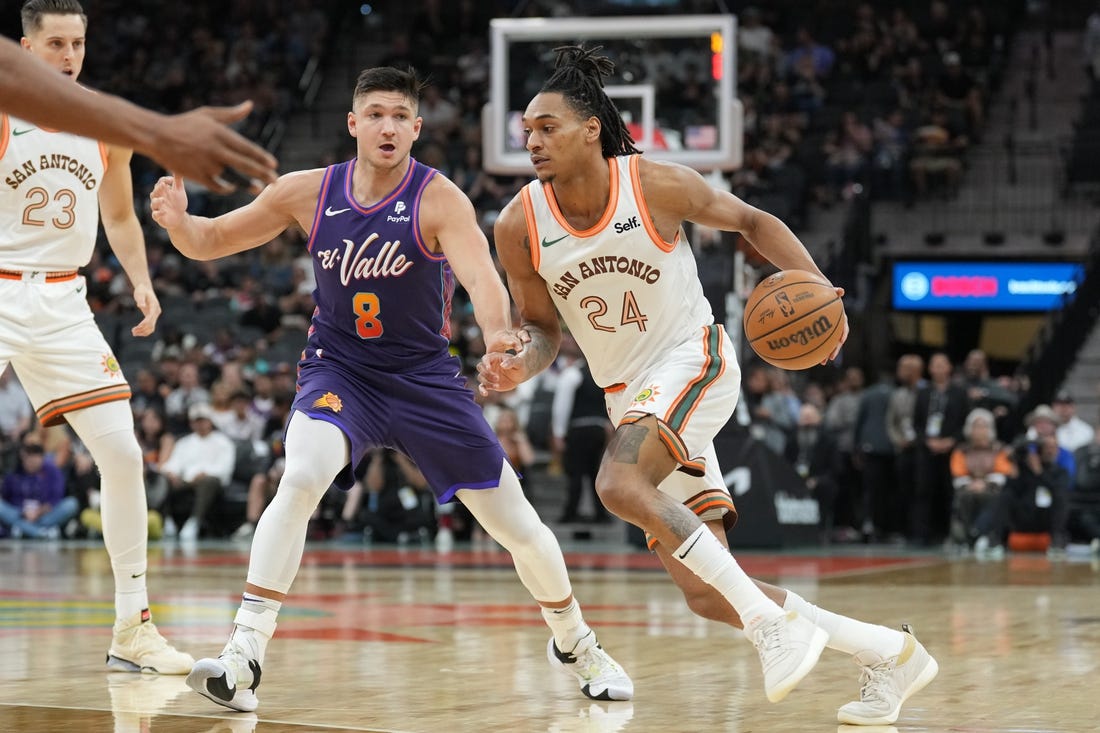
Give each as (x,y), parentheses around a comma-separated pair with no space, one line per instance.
(377,363)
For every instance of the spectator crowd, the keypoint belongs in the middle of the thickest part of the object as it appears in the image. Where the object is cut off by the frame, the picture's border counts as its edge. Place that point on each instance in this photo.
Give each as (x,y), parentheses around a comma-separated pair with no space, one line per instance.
(887,96)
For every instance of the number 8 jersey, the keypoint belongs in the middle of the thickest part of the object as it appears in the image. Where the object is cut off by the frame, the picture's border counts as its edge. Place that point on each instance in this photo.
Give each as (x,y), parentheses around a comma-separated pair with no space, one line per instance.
(49,208)
(627,296)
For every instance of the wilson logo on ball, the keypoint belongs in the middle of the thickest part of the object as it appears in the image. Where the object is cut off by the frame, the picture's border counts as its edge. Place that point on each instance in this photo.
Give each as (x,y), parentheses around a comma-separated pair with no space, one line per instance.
(820,327)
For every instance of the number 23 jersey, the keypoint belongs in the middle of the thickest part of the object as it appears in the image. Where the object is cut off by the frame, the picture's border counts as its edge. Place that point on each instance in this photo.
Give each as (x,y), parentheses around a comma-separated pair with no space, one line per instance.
(627,296)
(49,205)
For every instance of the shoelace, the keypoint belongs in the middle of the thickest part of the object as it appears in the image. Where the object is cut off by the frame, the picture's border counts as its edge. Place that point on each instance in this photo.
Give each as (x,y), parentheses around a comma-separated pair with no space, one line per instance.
(768,638)
(875,680)
(149,638)
(593,661)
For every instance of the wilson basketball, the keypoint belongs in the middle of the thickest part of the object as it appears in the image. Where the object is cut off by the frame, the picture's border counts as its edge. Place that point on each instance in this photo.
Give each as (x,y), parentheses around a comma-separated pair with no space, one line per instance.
(793,319)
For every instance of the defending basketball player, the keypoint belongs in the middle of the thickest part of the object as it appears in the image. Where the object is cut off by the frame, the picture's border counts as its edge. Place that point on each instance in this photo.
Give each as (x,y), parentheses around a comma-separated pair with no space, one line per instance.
(58,187)
(598,239)
(388,237)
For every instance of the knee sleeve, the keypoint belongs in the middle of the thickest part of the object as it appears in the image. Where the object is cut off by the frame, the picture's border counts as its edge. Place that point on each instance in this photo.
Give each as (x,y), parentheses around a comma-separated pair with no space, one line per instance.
(315,452)
(107,431)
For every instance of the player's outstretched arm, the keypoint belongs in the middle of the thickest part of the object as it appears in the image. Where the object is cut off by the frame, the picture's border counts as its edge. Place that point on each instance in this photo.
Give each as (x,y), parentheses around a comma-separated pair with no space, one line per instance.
(253,224)
(196,144)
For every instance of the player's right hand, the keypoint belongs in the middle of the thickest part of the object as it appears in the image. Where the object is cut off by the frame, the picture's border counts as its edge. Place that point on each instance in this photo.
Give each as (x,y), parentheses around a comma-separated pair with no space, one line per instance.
(199,145)
(168,202)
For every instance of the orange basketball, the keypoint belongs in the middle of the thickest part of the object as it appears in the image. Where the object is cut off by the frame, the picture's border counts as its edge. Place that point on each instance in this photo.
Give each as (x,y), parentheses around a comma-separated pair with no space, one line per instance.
(793,319)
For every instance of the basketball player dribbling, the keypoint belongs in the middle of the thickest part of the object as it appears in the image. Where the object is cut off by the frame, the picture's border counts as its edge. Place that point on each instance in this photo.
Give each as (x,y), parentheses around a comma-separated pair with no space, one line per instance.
(58,185)
(597,238)
(388,237)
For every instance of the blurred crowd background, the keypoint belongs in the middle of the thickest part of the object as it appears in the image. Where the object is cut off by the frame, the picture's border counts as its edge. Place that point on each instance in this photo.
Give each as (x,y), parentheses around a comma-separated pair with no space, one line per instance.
(846,104)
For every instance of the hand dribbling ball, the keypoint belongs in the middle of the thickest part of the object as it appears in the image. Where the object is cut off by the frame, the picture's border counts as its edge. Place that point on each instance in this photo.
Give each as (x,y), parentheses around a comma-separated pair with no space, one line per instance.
(793,319)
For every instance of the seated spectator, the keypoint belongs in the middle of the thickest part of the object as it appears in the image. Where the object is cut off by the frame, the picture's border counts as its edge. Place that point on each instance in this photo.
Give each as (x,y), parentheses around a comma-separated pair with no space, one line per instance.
(261,488)
(937,153)
(980,465)
(15,418)
(391,502)
(200,467)
(1034,499)
(1072,432)
(32,499)
(189,393)
(957,92)
(240,422)
(1042,422)
(156,446)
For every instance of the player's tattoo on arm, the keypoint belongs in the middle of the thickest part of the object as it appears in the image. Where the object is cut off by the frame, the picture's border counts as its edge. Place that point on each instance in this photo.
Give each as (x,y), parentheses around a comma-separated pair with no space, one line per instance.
(626,444)
(539,353)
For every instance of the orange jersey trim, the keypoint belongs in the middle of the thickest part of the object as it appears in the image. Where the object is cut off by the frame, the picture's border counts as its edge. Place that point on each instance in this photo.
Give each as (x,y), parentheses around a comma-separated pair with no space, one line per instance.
(5,133)
(53,413)
(532,227)
(643,209)
(608,214)
(672,441)
(51,277)
(103,154)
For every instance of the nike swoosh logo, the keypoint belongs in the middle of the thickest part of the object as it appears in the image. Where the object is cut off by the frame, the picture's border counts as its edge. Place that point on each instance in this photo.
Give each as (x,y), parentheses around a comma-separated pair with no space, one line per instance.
(547,242)
(330,212)
(23,132)
(80,289)
(138,575)
(685,553)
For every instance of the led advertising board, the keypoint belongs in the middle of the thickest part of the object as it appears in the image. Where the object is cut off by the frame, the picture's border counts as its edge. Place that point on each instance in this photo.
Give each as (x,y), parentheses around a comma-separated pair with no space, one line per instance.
(948,285)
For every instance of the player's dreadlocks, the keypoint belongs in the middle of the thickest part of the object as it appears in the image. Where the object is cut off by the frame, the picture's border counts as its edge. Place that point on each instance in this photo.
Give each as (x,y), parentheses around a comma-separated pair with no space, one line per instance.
(578,77)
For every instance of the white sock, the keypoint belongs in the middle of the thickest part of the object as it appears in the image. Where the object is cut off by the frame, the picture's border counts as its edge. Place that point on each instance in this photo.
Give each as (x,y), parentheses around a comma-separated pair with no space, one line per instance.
(567,624)
(131,596)
(129,603)
(847,634)
(708,558)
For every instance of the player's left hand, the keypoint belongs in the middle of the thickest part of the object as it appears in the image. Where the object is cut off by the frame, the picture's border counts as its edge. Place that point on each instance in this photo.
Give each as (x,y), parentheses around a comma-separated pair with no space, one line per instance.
(843,333)
(146,301)
(502,368)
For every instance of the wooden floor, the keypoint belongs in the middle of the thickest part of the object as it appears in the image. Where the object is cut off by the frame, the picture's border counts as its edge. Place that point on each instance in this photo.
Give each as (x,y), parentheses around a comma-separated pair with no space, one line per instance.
(416,642)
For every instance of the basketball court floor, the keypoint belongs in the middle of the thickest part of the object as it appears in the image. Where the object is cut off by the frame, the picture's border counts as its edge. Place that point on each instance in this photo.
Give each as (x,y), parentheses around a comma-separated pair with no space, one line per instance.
(412,641)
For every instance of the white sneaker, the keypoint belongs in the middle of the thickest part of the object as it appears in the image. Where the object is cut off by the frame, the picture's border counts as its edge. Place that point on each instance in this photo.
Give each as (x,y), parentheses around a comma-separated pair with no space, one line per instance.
(1094,546)
(137,646)
(189,532)
(244,532)
(170,529)
(600,676)
(789,648)
(444,540)
(888,683)
(230,680)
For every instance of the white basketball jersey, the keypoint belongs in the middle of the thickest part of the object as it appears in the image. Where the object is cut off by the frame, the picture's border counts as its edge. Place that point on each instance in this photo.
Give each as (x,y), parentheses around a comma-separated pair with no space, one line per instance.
(49,200)
(626,295)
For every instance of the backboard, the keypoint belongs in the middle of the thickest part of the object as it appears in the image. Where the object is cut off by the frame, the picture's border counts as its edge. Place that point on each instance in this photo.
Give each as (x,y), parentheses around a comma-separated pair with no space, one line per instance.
(675,84)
